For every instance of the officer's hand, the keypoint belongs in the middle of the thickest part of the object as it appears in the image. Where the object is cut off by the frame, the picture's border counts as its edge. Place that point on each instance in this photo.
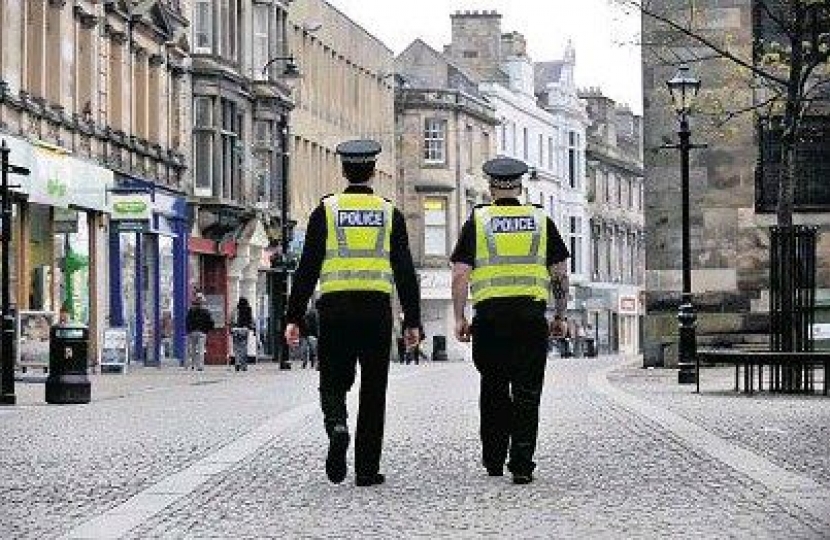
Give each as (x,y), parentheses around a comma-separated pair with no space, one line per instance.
(292,334)
(558,327)
(411,337)
(462,330)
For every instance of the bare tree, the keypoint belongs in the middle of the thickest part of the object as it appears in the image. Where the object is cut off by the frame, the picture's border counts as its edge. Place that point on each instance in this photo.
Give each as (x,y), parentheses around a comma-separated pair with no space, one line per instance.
(788,63)
(786,66)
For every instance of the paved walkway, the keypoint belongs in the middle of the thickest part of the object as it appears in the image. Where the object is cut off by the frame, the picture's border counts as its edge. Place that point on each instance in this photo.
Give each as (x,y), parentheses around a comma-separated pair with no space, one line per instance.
(623,453)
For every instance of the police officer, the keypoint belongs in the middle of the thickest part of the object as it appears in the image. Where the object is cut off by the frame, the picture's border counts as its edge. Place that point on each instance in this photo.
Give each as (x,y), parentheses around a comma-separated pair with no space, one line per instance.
(356,245)
(511,257)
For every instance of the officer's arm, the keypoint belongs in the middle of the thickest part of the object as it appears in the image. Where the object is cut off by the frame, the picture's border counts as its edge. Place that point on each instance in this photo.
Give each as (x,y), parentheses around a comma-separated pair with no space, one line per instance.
(559,284)
(460,288)
(406,280)
(308,270)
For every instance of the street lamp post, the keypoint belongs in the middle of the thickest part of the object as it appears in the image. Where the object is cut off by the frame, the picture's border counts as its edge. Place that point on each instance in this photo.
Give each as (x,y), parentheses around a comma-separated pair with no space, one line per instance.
(283,270)
(280,264)
(684,88)
(7,395)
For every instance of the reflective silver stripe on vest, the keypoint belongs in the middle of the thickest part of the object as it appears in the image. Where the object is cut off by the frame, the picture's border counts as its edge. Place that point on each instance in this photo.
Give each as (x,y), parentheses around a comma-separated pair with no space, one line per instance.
(508,281)
(494,258)
(343,245)
(362,275)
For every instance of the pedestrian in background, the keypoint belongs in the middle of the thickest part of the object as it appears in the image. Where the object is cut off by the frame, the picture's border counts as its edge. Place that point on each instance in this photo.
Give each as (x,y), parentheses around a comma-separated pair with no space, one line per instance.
(356,244)
(511,256)
(242,325)
(198,323)
(310,333)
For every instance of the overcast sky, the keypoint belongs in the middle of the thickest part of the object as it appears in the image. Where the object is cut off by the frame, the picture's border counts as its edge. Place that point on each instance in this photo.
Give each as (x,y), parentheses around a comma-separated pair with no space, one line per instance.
(602,36)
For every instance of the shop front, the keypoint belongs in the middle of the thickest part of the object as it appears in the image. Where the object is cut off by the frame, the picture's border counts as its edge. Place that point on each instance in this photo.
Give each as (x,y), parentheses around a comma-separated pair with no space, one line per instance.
(148,269)
(58,259)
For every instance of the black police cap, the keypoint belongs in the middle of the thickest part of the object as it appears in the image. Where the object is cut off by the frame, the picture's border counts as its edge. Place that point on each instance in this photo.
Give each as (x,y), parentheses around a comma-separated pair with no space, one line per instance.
(358,151)
(505,172)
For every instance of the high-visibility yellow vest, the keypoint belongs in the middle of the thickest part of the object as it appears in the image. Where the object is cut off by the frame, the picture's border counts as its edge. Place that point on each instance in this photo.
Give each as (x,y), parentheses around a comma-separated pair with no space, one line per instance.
(358,239)
(510,253)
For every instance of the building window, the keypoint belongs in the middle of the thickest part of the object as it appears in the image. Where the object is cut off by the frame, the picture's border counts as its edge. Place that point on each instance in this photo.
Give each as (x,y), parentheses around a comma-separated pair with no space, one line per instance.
(116,86)
(525,144)
(139,93)
(504,136)
(812,166)
(203,27)
(540,159)
(229,25)
(573,160)
(435,141)
(260,45)
(85,69)
(232,147)
(263,158)
(576,240)
(550,153)
(203,126)
(470,148)
(435,226)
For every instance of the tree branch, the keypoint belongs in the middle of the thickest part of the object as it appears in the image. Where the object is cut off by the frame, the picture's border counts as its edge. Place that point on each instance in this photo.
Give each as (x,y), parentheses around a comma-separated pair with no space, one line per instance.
(730,115)
(705,42)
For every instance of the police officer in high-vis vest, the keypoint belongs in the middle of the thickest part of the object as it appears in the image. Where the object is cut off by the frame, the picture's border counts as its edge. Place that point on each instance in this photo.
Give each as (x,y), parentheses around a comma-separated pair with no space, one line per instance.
(512,259)
(356,245)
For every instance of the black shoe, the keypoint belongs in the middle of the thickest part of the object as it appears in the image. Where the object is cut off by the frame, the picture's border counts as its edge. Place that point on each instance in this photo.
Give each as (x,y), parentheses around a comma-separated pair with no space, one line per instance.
(336,467)
(369,480)
(495,471)
(522,478)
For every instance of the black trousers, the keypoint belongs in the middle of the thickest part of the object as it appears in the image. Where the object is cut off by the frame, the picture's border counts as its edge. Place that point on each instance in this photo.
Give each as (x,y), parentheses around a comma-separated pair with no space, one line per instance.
(510,353)
(346,338)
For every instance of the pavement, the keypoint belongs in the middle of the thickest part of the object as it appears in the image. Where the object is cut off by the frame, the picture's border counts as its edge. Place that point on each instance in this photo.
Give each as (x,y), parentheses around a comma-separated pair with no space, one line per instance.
(623,452)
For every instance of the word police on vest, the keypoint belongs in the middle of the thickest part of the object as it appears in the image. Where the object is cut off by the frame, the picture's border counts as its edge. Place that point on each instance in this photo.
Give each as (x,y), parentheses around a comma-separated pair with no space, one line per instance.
(513,224)
(360,218)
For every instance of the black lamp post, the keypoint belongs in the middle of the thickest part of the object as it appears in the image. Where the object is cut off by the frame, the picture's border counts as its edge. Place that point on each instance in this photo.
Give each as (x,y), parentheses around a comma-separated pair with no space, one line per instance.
(281,263)
(7,395)
(684,88)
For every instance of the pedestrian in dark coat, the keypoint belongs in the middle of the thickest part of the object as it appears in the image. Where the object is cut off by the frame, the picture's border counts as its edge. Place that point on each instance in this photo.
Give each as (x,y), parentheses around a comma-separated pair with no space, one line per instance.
(198,323)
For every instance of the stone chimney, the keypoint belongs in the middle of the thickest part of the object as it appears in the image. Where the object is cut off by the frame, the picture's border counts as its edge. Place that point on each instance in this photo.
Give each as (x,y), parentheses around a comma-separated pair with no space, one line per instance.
(476,42)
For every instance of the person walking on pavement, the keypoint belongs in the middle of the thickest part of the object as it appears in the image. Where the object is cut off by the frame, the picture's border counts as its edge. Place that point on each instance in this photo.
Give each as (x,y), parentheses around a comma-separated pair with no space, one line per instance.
(310,331)
(198,323)
(242,324)
(356,244)
(510,255)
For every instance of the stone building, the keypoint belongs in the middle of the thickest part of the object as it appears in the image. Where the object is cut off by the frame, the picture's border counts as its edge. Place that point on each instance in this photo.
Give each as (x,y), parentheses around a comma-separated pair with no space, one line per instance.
(346,91)
(242,95)
(94,101)
(445,132)
(730,190)
(616,254)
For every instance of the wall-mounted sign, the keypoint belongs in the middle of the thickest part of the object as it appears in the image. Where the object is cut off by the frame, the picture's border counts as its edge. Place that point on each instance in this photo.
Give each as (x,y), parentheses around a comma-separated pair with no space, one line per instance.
(628,305)
(131,211)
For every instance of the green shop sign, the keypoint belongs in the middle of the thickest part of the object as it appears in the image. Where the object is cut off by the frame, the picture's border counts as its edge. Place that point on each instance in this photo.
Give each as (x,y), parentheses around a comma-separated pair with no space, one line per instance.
(131,207)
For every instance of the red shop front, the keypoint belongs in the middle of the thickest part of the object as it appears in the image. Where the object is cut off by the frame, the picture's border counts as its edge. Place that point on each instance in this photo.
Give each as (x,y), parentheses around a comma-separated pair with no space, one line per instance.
(209,262)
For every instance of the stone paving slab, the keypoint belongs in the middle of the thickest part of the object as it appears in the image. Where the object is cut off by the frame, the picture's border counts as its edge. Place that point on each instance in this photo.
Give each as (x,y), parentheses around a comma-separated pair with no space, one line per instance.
(789,430)
(242,457)
(604,472)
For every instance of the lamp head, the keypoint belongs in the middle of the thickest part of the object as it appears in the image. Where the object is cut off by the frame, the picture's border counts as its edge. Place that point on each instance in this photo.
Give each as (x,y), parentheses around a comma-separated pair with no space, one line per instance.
(683,88)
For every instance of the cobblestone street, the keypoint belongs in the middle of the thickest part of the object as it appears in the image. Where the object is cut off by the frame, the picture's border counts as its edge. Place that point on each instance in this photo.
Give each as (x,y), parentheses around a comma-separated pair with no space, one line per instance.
(623,453)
